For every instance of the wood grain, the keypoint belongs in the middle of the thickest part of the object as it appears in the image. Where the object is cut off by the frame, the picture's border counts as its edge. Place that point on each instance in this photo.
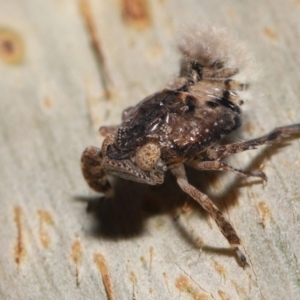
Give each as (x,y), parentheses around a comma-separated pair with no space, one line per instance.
(67,67)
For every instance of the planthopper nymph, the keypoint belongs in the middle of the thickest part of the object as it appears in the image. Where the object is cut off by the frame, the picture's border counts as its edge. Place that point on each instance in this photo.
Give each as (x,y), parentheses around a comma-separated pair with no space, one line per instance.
(184,124)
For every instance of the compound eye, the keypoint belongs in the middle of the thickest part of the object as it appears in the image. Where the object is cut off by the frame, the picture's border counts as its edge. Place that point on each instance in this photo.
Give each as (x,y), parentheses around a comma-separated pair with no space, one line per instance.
(147,156)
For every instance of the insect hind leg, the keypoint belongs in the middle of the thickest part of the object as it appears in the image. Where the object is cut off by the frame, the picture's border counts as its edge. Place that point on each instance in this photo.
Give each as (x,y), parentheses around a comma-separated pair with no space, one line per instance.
(277,135)
(224,225)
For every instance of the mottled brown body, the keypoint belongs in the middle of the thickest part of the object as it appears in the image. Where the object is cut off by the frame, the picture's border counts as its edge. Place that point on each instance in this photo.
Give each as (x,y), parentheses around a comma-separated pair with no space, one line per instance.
(182,124)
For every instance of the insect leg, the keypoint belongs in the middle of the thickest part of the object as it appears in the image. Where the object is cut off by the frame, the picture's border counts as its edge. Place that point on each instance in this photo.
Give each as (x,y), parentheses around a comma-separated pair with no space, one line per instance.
(93,172)
(106,130)
(224,225)
(217,165)
(276,136)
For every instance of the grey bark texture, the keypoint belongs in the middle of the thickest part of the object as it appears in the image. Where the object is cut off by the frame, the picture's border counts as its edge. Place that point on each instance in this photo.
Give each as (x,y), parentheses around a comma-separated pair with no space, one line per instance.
(67,67)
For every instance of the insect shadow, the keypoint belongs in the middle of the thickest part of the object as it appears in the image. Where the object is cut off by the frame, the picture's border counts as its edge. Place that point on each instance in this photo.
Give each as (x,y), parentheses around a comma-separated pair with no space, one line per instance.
(125,214)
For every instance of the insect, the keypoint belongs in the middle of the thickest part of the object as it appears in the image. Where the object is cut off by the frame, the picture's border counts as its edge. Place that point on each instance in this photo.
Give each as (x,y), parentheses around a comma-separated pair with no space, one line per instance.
(183,124)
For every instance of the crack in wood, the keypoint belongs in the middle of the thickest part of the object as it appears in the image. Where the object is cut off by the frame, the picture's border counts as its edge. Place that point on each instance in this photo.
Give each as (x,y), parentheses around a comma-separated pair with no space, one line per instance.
(20,251)
(101,263)
(86,12)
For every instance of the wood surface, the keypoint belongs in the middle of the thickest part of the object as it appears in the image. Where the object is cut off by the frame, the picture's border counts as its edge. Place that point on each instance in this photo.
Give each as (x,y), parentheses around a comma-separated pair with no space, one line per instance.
(67,67)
